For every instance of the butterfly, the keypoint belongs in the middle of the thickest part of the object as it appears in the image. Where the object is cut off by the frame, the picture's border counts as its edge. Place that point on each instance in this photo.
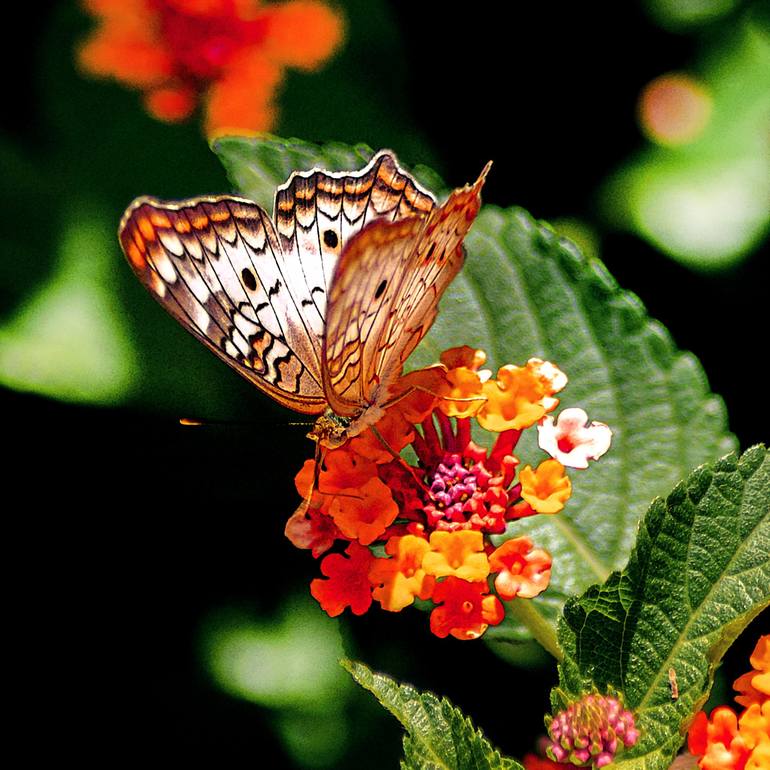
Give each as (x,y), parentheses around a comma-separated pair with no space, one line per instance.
(320,305)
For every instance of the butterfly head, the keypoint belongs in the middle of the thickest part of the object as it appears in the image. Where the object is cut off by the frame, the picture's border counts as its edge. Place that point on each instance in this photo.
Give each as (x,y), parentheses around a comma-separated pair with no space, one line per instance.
(331,430)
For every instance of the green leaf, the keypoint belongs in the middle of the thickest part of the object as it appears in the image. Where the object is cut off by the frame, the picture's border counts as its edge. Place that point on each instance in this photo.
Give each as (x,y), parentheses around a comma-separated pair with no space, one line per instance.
(698,575)
(524,292)
(438,735)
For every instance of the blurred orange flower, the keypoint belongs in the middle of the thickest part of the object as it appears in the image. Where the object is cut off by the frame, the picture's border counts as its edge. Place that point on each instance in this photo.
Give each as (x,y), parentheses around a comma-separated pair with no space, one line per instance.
(229,55)
(729,741)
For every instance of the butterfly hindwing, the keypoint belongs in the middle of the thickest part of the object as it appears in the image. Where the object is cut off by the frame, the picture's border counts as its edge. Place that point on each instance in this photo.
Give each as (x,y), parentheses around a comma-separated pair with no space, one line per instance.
(317,212)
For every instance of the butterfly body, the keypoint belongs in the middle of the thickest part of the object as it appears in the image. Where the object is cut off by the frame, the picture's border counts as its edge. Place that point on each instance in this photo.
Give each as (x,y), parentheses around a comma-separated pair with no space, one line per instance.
(320,305)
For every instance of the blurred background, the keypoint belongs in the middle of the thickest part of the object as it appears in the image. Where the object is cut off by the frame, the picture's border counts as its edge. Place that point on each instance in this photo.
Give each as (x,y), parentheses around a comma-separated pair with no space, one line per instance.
(156,609)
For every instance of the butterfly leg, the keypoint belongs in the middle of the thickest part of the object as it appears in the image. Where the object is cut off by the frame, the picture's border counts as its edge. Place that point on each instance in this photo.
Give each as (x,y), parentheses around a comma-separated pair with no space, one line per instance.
(303,507)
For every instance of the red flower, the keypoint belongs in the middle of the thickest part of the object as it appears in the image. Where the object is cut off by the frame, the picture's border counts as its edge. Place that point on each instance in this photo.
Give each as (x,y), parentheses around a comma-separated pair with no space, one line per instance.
(465,609)
(227,54)
(534,762)
(348,584)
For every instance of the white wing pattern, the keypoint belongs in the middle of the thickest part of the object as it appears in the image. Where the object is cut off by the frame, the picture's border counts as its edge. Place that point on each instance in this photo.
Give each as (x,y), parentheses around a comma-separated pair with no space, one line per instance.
(320,306)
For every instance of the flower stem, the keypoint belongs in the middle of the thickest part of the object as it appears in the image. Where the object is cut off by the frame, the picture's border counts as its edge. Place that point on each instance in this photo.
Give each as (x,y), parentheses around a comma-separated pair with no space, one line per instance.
(544,633)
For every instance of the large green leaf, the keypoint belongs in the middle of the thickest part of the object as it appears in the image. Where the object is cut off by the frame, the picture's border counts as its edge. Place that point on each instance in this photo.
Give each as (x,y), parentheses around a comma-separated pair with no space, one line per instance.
(525,292)
(438,736)
(698,574)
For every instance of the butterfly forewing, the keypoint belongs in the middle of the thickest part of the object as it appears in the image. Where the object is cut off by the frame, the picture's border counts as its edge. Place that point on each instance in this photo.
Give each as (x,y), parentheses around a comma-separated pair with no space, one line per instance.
(384,297)
(318,212)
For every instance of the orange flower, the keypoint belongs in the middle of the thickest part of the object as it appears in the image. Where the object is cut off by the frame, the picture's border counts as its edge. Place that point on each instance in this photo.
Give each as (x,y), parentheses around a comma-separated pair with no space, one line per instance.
(718,740)
(460,554)
(726,741)
(523,570)
(463,381)
(340,469)
(520,395)
(396,427)
(547,488)
(755,685)
(229,54)
(436,518)
(424,388)
(395,431)
(754,726)
(465,609)
(363,513)
(347,584)
(401,578)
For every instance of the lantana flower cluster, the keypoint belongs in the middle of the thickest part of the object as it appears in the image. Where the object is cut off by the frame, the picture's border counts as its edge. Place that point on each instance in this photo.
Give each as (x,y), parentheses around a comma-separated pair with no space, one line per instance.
(227,55)
(395,533)
(590,731)
(730,741)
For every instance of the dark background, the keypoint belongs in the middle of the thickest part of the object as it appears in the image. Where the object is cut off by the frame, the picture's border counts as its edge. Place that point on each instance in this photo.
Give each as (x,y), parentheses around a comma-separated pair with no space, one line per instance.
(124,530)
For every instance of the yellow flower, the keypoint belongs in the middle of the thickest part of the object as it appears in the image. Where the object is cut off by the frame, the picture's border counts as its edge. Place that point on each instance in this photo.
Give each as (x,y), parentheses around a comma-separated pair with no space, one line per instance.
(460,554)
(402,577)
(463,381)
(520,396)
(547,488)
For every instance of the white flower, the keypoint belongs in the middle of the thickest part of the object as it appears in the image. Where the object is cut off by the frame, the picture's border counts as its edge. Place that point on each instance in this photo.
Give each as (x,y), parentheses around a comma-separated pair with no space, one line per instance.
(570,441)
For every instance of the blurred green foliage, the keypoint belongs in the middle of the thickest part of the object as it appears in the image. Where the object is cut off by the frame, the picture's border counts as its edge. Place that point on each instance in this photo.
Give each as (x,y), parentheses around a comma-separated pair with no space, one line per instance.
(288,664)
(706,203)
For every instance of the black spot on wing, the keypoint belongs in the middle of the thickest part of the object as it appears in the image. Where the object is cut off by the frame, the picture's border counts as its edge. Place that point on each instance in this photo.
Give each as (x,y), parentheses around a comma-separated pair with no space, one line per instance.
(248,279)
(380,289)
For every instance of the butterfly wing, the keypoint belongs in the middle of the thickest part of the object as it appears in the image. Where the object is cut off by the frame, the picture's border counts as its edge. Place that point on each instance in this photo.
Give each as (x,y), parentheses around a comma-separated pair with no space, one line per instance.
(215,265)
(253,290)
(384,297)
(318,212)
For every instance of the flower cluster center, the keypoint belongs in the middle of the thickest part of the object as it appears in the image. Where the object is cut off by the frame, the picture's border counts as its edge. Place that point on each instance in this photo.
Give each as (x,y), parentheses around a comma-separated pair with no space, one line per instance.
(451,484)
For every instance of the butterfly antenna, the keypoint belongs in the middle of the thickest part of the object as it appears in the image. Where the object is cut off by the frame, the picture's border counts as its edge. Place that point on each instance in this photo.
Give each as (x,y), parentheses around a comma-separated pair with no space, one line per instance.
(316,468)
(195,422)
(440,397)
